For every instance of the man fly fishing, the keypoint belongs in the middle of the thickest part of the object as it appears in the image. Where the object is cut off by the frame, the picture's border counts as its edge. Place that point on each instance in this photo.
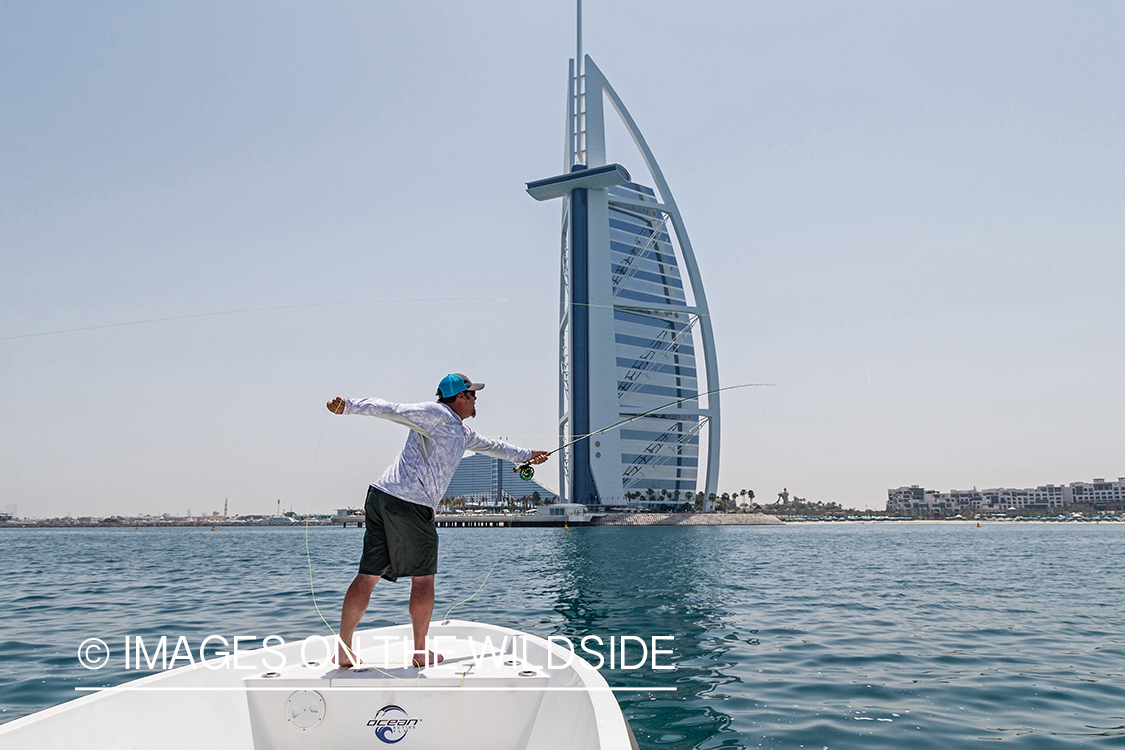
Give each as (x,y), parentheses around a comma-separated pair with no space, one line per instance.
(401,539)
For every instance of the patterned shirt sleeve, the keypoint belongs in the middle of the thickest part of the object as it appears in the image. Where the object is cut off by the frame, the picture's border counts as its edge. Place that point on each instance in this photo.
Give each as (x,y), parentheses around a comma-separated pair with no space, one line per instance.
(495,448)
(421,417)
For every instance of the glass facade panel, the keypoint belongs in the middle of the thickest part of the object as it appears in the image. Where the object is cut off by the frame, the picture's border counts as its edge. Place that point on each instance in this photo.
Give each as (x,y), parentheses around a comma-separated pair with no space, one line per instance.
(655,350)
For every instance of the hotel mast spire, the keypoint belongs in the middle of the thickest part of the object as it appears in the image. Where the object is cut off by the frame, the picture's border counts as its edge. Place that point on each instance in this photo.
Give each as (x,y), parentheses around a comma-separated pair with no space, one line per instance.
(579,126)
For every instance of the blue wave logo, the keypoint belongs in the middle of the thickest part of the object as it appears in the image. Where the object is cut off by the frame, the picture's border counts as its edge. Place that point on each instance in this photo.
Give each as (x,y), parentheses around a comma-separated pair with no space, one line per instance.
(392,723)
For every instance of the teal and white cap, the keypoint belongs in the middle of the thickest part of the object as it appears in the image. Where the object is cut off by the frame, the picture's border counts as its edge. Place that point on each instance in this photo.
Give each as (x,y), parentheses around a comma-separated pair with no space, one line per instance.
(455,383)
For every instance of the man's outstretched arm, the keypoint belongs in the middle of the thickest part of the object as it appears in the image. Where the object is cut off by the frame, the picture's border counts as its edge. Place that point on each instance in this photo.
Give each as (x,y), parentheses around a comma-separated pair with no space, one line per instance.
(499,449)
(419,417)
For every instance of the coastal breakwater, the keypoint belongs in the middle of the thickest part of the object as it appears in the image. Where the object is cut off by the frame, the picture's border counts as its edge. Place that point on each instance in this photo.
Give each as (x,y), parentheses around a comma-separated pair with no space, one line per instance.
(686,519)
(454,520)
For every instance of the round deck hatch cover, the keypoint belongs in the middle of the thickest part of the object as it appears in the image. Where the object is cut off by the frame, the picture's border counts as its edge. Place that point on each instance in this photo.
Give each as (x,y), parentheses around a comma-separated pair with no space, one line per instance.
(305,709)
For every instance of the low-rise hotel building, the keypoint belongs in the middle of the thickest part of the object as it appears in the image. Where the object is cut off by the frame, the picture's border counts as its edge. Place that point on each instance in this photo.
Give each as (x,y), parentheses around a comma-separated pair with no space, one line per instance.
(483,479)
(1099,494)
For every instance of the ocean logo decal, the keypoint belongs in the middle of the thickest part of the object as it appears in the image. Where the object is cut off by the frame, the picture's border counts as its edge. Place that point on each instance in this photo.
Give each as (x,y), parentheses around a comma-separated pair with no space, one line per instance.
(392,723)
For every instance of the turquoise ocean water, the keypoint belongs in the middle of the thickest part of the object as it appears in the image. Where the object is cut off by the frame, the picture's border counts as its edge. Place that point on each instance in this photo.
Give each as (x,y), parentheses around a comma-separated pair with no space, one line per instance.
(815,636)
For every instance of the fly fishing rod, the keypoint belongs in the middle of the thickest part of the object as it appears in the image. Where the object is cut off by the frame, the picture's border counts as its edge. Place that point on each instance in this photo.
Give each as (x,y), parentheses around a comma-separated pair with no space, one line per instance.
(527,471)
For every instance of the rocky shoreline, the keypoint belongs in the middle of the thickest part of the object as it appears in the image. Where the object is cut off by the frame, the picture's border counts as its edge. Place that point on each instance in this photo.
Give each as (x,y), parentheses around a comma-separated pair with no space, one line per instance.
(687,519)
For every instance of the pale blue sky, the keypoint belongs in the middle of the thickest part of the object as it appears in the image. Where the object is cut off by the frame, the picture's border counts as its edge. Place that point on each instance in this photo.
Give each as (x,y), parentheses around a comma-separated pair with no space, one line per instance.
(907,215)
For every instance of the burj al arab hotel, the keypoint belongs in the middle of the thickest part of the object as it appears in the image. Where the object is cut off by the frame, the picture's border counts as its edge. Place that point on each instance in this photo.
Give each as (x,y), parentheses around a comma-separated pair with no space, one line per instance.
(634,329)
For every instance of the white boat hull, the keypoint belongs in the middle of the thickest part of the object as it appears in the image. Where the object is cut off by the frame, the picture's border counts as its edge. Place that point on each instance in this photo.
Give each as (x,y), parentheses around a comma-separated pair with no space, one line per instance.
(498,689)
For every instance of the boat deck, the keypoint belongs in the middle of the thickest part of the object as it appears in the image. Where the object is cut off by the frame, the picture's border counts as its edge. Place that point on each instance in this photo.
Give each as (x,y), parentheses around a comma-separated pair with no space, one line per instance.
(497,689)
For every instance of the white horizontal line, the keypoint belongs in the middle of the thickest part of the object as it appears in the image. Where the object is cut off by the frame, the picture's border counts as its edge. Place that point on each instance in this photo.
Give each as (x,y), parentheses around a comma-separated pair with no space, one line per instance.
(125,688)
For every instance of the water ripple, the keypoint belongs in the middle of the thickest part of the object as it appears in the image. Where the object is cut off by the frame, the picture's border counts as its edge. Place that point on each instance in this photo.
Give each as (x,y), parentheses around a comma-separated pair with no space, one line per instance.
(842,636)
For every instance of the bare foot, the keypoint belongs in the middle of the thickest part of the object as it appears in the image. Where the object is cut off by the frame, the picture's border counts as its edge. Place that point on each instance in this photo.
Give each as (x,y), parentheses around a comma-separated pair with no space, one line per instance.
(431,658)
(347,659)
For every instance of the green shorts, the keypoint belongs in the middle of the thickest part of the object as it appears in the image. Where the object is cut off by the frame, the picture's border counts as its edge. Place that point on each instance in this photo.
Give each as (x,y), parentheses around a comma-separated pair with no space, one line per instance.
(401,539)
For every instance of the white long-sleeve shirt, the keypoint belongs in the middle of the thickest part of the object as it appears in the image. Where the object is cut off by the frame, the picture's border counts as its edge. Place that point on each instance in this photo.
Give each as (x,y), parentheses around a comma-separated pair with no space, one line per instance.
(437,441)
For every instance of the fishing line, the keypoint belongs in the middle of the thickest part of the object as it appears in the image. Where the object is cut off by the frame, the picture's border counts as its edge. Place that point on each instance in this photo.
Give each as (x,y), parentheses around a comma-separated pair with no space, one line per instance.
(486,575)
(250,310)
(308,553)
(526,471)
(807,398)
(640,309)
(336,640)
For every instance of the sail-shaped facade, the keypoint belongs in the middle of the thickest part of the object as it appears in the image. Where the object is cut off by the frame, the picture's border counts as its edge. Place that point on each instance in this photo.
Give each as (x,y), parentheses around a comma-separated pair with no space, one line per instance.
(634,330)
(654,349)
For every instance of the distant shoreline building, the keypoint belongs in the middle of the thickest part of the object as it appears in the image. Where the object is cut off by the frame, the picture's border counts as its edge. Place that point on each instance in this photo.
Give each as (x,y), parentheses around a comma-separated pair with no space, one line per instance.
(491,481)
(1099,494)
